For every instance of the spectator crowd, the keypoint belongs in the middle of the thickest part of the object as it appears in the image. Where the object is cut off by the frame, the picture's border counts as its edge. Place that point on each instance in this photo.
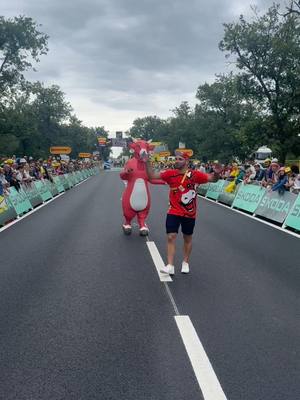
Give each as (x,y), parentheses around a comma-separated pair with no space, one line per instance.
(270,174)
(15,172)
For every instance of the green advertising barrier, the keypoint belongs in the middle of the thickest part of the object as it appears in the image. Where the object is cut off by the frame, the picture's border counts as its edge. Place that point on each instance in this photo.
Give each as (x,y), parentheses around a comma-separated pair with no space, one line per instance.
(58,183)
(33,195)
(52,188)
(19,200)
(225,197)
(202,189)
(248,197)
(43,190)
(9,213)
(293,219)
(64,182)
(276,206)
(77,177)
(69,180)
(215,189)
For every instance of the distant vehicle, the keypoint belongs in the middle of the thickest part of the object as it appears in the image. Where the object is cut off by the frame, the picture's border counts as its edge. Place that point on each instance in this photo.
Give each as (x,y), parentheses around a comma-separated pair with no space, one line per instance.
(262,154)
(107,165)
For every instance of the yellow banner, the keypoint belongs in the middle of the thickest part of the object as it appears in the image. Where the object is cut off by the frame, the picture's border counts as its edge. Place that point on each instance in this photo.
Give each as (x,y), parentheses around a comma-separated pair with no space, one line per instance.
(189,152)
(84,155)
(60,150)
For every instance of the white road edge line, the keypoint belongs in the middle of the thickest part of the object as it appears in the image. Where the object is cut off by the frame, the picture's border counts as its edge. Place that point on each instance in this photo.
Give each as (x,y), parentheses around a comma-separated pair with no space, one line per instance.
(158,261)
(251,216)
(205,374)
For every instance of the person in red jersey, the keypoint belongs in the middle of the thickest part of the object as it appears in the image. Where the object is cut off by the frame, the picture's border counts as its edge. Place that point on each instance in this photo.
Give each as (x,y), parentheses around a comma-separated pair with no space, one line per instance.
(182,210)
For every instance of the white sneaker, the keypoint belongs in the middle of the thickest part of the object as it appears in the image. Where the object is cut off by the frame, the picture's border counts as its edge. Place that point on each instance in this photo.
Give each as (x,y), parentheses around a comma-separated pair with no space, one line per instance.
(167,269)
(185,269)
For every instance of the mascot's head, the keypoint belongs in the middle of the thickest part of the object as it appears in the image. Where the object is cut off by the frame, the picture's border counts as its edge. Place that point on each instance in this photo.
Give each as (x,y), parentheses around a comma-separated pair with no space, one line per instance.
(141,149)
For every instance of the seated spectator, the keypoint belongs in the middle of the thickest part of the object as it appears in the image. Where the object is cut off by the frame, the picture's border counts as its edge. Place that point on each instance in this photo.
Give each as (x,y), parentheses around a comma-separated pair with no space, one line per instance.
(8,171)
(271,176)
(241,175)
(3,181)
(249,174)
(14,182)
(282,180)
(259,173)
(234,172)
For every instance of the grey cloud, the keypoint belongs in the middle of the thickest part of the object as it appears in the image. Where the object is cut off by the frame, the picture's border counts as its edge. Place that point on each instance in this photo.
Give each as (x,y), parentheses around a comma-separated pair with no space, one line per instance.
(130,49)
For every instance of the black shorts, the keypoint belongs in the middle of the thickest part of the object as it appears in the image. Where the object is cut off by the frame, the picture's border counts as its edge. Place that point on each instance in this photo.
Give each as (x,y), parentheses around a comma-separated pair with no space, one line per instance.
(173,223)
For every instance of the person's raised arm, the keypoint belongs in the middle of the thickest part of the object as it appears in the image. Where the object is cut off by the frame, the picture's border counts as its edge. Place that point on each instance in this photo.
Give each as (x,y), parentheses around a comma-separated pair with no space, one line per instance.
(215,175)
(150,172)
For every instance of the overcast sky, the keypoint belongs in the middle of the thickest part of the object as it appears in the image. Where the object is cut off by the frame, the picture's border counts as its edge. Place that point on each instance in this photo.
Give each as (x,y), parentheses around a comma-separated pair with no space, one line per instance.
(117,60)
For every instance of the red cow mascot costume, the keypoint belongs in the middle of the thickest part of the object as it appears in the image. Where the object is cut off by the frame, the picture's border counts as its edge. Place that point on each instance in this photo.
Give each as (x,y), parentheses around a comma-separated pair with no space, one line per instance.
(136,197)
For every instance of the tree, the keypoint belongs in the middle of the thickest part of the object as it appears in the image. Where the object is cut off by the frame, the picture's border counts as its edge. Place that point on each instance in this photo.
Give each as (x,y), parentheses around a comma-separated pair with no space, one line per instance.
(51,109)
(21,43)
(293,8)
(231,126)
(267,52)
(151,127)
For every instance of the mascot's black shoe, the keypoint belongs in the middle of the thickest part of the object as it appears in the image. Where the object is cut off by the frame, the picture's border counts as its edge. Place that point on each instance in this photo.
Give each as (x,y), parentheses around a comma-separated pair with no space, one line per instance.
(127,229)
(144,231)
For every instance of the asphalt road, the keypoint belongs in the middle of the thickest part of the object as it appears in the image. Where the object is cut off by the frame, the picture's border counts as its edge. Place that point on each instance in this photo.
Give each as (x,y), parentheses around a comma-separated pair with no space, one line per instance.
(83,314)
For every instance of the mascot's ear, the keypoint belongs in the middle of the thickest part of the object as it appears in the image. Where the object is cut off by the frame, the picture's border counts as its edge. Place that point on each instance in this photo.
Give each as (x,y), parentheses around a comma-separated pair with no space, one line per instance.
(151,147)
(132,146)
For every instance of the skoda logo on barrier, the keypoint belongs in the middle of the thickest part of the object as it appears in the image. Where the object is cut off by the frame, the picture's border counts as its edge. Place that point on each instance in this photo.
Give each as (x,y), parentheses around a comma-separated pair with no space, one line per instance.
(250,197)
(276,204)
(296,212)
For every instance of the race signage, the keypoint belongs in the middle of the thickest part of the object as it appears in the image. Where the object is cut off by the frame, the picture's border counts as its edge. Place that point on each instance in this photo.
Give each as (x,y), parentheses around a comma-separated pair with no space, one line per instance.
(58,183)
(60,150)
(7,211)
(248,197)
(189,152)
(215,189)
(156,144)
(118,142)
(84,155)
(19,201)
(43,190)
(164,154)
(227,197)
(202,189)
(293,219)
(32,194)
(102,141)
(276,206)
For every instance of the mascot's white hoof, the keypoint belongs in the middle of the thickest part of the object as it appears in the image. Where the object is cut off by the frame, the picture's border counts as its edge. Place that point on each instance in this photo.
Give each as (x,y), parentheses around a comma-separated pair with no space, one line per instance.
(127,229)
(144,231)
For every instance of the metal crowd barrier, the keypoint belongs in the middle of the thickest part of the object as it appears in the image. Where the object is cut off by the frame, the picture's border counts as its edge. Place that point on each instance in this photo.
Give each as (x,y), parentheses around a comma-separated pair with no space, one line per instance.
(36,193)
(280,208)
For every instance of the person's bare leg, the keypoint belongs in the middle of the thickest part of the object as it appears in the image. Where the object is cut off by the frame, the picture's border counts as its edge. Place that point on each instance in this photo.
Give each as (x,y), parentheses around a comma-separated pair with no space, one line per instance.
(171,247)
(187,247)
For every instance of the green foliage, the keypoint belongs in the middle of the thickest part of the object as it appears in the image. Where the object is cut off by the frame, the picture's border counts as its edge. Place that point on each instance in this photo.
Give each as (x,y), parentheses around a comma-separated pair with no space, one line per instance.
(20,44)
